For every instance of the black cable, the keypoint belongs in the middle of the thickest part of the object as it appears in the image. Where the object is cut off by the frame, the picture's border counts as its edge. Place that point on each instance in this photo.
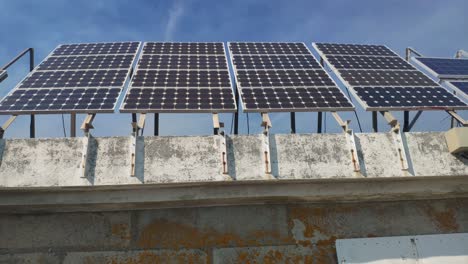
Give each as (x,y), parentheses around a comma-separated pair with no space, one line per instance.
(248,126)
(63,126)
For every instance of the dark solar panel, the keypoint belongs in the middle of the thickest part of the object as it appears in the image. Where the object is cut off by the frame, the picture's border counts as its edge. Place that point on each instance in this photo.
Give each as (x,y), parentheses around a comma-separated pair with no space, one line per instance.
(268,62)
(354,49)
(461,86)
(274,77)
(97,48)
(193,48)
(181,77)
(383,81)
(255,48)
(369,62)
(445,68)
(78,78)
(87,62)
(182,62)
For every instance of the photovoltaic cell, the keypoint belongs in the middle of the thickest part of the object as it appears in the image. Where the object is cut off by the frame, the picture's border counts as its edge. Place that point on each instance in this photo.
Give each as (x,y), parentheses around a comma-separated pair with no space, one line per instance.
(383,81)
(181,77)
(75,78)
(444,67)
(275,77)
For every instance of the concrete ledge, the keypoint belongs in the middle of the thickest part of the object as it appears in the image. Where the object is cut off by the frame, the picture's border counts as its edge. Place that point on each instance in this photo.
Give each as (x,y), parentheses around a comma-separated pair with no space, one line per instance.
(150,196)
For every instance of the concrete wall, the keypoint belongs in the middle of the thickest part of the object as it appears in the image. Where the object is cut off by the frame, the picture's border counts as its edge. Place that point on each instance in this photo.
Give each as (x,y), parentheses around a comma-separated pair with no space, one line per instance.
(274,233)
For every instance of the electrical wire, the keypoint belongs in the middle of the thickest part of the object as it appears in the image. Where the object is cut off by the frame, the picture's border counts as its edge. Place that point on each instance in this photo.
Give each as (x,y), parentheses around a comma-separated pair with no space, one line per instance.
(63,126)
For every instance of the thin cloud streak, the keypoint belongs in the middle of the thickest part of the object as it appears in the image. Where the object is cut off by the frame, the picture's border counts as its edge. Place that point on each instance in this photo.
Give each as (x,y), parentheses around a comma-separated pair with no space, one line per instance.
(175,14)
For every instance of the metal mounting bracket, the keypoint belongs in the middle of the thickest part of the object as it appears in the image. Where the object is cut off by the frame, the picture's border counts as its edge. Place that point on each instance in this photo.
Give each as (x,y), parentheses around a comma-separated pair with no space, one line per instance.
(86,126)
(457,117)
(397,139)
(351,140)
(222,137)
(266,124)
(133,142)
(7,124)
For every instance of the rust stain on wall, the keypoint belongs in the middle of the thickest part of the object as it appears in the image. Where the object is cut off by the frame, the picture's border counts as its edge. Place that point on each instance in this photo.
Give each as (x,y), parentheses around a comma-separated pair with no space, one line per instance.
(445,221)
(149,258)
(168,234)
(121,231)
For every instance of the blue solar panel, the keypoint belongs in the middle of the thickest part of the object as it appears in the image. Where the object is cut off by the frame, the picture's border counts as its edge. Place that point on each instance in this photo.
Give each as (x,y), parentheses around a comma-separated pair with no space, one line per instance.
(382,81)
(461,87)
(444,67)
(75,78)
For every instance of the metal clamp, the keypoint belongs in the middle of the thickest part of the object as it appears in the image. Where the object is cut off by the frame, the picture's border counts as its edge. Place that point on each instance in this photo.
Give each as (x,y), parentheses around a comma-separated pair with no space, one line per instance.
(266,124)
(351,140)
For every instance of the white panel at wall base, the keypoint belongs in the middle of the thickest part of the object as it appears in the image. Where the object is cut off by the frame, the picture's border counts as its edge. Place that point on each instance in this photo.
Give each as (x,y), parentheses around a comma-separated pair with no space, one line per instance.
(427,249)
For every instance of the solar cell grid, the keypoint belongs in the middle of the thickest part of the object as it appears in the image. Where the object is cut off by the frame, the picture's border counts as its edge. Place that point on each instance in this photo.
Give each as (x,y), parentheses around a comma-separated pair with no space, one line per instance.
(283,78)
(192,48)
(444,67)
(383,81)
(461,86)
(252,48)
(181,77)
(86,62)
(368,62)
(185,62)
(97,48)
(354,49)
(265,62)
(78,78)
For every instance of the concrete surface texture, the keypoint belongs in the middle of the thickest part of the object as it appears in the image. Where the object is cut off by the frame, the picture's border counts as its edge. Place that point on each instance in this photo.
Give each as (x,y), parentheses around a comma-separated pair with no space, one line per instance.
(275,233)
(56,162)
(184,205)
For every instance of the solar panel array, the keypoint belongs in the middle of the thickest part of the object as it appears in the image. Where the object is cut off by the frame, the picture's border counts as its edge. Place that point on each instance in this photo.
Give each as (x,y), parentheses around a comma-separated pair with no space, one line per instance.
(461,87)
(181,77)
(283,77)
(382,81)
(74,78)
(444,68)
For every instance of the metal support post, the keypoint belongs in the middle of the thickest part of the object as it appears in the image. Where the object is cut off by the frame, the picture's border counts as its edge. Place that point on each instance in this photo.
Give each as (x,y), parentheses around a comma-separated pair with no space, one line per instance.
(86,126)
(375,125)
(397,139)
(72,125)
(7,124)
(319,122)
(293,123)
(351,140)
(222,138)
(266,124)
(137,126)
(457,117)
(156,124)
(405,121)
(236,114)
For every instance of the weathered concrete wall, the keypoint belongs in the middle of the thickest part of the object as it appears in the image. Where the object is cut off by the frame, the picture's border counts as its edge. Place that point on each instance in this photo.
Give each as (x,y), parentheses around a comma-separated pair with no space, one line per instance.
(56,162)
(275,233)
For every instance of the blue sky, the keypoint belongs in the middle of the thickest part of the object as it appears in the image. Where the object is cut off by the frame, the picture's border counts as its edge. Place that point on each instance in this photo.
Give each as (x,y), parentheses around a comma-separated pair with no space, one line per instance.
(436,28)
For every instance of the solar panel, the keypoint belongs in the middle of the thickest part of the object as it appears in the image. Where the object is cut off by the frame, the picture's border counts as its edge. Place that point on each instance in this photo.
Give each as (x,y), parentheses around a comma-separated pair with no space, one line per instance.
(283,77)
(3,75)
(74,78)
(383,81)
(444,68)
(181,77)
(461,87)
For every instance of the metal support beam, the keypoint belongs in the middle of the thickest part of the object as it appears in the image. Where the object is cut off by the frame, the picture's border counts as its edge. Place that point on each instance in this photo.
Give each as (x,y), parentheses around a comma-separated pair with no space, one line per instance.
(236,114)
(459,119)
(7,124)
(405,121)
(375,124)
(266,124)
(216,124)
(319,122)
(293,123)
(86,126)
(397,140)
(137,125)
(156,124)
(351,140)
(32,126)
(72,125)
(415,118)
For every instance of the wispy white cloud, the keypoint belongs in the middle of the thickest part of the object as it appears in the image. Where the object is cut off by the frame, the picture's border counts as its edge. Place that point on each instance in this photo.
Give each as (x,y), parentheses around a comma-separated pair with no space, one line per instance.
(175,14)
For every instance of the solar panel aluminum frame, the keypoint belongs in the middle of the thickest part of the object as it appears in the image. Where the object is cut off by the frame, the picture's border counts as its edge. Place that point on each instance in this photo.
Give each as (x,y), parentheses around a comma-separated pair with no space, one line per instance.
(122,110)
(3,75)
(456,89)
(84,111)
(373,109)
(286,110)
(435,74)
